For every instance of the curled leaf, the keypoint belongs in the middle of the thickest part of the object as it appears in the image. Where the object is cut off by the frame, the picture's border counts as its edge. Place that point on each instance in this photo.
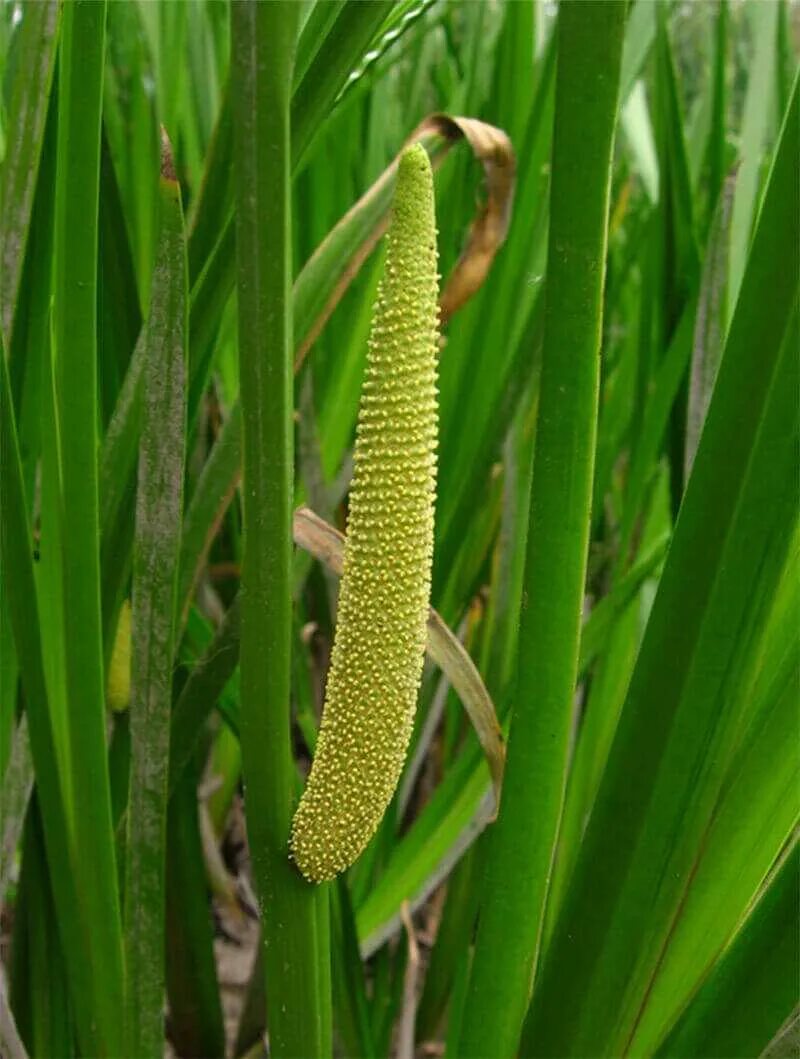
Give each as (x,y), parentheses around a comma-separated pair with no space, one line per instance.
(337,260)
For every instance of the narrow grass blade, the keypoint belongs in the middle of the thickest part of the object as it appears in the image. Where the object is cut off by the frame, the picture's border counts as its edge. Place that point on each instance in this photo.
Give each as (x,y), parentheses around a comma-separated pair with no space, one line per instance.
(212,205)
(388,998)
(491,366)
(750,825)
(677,213)
(665,387)
(755,122)
(716,147)
(9,682)
(75,350)
(458,811)
(350,35)
(213,492)
(521,851)
(16,553)
(253,1019)
(39,986)
(753,989)
(350,994)
(596,630)
(130,120)
(159,508)
(27,111)
(639,36)
(672,255)
(451,948)
(710,326)
(196,1023)
(316,29)
(119,311)
(680,722)
(32,312)
(636,123)
(202,689)
(263,45)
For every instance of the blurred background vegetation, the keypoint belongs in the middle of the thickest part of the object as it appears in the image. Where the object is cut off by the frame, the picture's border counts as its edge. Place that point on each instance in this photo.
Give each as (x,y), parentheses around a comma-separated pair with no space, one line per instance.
(705,89)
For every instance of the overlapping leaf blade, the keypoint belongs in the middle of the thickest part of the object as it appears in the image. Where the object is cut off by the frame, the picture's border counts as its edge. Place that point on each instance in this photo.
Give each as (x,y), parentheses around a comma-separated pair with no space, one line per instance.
(680,722)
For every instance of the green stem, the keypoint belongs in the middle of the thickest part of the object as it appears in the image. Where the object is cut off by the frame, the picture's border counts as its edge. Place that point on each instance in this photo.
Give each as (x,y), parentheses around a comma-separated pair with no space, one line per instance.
(521,850)
(263,45)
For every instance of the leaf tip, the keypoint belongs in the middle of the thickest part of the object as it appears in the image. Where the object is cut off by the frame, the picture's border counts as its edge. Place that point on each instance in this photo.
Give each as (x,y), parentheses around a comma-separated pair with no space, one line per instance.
(167,159)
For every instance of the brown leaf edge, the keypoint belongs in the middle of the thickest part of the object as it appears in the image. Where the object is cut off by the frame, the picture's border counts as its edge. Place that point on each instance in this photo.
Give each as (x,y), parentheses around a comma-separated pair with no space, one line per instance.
(438,133)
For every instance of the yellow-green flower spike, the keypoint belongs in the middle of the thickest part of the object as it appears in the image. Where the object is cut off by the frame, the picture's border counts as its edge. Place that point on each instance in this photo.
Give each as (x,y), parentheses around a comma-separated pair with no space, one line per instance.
(118,683)
(379,643)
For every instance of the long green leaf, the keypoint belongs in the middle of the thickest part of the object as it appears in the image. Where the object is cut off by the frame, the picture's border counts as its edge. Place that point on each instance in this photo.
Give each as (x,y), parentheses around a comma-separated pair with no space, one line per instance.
(30,94)
(75,347)
(39,988)
(760,89)
(452,943)
(202,689)
(129,116)
(350,995)
(120,315)
(316,28)
(196,1022)
(349,36)
(749,829)
(520,854)
(20,585)
(213,202)
(159,509)
(753,990)
(680,720)
(709,331)
(758,806)
(715,149)
(213,492)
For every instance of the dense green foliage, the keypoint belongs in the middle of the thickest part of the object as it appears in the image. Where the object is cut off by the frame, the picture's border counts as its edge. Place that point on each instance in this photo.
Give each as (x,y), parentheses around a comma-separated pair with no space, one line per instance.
(184,321)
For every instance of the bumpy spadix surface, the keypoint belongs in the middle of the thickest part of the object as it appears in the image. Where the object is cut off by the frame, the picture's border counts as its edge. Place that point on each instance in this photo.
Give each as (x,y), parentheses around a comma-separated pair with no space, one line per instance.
(379,642)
